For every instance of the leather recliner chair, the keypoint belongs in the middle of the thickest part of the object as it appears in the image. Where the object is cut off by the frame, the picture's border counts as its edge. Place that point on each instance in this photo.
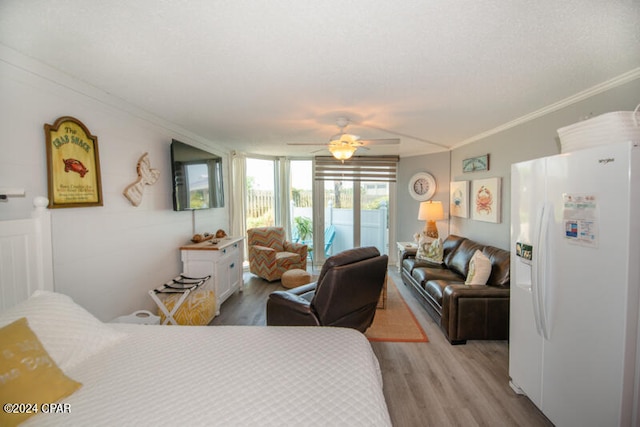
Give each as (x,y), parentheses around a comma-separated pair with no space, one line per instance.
(346,293)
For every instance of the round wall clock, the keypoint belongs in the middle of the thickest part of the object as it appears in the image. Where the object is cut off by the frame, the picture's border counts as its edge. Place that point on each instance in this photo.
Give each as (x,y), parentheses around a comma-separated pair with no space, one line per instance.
(422,186)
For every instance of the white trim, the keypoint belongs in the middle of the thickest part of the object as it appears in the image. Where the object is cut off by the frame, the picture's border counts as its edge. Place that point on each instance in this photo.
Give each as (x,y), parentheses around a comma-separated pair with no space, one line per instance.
(580,96)
(43,72)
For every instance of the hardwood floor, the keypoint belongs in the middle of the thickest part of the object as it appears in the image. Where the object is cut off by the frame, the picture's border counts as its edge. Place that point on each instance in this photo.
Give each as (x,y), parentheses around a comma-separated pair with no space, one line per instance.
(425,384)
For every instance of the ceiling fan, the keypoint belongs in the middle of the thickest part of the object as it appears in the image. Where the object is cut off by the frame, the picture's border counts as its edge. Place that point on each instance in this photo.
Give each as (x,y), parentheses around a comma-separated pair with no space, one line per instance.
(342,145)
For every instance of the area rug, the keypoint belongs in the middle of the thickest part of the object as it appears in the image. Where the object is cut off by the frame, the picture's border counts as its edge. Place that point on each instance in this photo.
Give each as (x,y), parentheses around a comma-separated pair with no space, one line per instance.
(396,322)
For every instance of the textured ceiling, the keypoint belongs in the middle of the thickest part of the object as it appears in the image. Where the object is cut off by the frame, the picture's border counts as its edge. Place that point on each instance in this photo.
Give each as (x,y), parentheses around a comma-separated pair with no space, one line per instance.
(254,75)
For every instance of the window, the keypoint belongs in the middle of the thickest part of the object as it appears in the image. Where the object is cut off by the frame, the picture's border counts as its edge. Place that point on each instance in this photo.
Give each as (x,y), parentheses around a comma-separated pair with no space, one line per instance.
(261,206)
(301,200)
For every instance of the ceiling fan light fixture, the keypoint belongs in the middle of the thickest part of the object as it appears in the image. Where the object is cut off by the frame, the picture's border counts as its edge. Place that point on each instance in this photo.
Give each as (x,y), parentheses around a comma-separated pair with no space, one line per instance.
(342,151)
(344,138)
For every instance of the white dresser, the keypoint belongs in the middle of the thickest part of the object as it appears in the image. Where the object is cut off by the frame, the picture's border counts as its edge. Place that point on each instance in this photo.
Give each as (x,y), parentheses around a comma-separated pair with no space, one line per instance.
(222,260)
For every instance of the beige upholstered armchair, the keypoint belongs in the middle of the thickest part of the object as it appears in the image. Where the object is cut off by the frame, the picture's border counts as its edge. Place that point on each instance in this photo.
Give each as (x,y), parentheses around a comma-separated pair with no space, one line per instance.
(270,254)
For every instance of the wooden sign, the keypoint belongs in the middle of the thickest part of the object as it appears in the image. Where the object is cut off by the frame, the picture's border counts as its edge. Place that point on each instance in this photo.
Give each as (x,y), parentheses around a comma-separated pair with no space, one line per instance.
(73,165)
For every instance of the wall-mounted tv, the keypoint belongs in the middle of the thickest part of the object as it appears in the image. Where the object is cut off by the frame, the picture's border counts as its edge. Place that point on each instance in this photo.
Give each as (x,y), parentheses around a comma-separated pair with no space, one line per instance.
(197,178)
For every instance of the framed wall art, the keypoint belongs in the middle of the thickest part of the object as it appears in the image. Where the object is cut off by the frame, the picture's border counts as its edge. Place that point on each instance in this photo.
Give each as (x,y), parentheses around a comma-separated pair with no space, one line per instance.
(476,164)
(73,165)
(459,196)
(485,200)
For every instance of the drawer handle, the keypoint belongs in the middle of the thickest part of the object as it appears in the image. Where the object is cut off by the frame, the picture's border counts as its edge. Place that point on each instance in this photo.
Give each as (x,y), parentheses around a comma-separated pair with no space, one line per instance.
(235,245)
(233,264)
(224,251)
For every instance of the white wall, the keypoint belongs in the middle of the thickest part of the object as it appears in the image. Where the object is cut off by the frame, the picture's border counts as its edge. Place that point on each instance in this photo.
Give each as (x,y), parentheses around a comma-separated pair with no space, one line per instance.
(407,211)
(108,257)
(529,140)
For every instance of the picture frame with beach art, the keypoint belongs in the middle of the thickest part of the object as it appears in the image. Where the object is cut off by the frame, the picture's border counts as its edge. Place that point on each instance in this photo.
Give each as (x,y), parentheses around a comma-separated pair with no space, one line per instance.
(476,164)
(73,165)
(485,200)
(459,196)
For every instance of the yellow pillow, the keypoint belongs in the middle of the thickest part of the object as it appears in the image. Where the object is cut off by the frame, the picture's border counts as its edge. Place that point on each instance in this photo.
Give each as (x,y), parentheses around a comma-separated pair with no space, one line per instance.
(198,309)
(27,372)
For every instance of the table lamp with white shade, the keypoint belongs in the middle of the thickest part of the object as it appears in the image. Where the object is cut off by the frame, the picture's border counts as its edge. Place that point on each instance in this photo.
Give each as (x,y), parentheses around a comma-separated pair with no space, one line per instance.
(431,212)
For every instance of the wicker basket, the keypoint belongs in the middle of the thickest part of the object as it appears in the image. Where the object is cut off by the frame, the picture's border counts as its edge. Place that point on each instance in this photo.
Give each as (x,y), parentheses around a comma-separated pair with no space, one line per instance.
(608,128)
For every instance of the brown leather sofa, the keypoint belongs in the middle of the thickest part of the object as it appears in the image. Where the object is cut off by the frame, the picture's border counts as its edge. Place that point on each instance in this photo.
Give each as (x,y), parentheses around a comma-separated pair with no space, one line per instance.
(346,293)
(464,312)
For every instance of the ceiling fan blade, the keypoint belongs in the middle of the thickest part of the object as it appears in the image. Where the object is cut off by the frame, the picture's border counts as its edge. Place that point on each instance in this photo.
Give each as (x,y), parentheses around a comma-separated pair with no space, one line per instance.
(389,141)
(306,143)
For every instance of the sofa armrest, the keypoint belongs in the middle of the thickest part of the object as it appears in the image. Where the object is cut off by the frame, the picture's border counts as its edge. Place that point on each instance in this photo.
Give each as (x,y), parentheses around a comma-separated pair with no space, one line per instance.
(475,312)
(409,253)
(286,308)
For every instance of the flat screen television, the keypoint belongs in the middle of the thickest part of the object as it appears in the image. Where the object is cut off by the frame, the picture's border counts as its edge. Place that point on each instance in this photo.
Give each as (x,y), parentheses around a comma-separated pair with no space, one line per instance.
(197,178)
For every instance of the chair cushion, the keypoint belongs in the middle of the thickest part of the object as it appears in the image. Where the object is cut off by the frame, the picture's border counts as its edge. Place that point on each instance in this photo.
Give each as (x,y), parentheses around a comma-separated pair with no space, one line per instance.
(287,256)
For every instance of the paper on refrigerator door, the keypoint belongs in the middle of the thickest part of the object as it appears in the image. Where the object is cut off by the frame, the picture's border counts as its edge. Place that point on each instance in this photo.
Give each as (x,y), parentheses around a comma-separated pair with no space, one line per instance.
(580,218)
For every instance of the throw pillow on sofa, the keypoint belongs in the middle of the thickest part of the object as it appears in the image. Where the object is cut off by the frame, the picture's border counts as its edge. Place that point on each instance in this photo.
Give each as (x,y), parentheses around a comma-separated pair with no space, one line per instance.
(430,251)
(479,269)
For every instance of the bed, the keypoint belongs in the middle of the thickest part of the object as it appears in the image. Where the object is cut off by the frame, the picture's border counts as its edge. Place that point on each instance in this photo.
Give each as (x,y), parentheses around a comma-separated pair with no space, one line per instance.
(126,374)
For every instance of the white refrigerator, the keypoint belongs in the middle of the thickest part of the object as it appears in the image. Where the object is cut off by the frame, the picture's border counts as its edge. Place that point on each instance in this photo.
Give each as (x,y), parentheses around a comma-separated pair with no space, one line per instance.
(575,285)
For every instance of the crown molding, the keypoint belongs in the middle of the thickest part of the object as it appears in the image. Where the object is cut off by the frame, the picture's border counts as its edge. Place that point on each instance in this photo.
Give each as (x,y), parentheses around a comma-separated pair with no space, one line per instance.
(580,96)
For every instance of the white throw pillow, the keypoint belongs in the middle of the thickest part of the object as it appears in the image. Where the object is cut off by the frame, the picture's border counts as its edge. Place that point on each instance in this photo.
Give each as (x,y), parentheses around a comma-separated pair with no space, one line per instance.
(479,269)
(430,251)
(68,332)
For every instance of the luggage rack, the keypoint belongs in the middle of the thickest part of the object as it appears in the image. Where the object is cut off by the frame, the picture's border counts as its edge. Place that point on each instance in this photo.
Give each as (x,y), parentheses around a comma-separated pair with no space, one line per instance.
(179,285)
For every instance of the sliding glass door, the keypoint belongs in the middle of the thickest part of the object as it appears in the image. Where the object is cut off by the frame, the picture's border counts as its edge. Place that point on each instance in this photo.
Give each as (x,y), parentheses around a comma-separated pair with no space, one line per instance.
(328,205)
(355,214)
(355,202)
(374,215)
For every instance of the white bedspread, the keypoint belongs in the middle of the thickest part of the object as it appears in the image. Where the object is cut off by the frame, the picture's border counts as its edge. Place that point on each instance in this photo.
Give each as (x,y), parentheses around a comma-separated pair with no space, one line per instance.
(228,376)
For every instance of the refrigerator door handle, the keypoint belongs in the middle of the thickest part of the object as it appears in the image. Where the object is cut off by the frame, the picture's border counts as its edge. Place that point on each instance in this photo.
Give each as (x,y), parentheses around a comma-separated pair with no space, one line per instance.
(543,286)
(535,271)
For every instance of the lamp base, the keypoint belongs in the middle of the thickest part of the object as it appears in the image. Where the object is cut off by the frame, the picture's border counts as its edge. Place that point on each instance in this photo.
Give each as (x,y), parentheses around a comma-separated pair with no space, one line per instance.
(431,230)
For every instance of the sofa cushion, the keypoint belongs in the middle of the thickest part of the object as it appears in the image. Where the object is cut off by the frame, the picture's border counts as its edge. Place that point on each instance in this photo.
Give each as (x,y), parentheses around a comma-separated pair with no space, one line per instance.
(449,246)
(500,265)
(423,274)
(479,269)
(459,259)
(435,289)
